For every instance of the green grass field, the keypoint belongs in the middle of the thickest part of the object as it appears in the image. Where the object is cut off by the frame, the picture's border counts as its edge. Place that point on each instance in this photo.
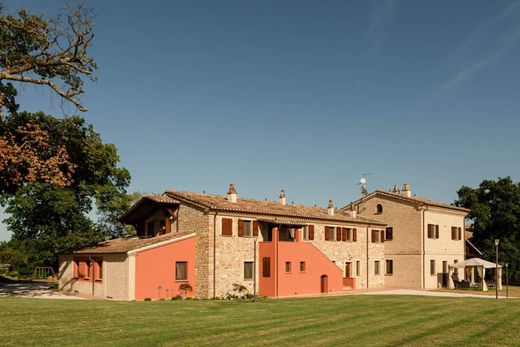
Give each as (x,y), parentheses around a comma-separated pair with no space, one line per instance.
(352,320)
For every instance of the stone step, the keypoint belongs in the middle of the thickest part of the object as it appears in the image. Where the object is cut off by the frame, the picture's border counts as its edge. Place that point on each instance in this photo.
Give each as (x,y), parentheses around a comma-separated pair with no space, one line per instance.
(347,288)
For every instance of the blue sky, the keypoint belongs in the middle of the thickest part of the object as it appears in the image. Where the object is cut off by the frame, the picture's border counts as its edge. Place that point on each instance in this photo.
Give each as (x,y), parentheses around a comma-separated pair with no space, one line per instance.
(303,95)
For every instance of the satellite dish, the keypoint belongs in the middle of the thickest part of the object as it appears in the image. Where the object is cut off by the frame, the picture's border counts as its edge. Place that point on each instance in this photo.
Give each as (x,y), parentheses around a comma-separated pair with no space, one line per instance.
(363,180)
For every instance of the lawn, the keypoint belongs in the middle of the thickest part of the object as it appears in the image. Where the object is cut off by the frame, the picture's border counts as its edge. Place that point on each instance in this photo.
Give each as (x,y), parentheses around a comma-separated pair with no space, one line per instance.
(353,320)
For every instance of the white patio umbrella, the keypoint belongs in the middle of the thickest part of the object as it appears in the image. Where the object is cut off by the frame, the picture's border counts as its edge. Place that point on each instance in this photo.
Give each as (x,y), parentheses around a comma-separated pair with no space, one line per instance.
(481,265)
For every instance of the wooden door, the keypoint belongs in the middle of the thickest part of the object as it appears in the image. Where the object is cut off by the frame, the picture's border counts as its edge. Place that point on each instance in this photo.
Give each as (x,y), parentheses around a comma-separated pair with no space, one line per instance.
(324,283)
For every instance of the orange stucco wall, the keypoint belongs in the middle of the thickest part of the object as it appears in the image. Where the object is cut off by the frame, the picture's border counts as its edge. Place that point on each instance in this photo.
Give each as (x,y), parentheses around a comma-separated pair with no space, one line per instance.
(296,282)
(155,268)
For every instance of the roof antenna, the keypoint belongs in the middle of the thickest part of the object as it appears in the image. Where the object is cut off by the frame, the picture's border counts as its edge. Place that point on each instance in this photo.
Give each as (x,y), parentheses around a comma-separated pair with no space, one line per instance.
(363,183)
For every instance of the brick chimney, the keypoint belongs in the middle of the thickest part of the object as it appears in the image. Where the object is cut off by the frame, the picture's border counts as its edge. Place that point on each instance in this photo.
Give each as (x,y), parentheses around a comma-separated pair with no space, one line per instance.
(283,200)
(232,193)
(330,208)
(407,191)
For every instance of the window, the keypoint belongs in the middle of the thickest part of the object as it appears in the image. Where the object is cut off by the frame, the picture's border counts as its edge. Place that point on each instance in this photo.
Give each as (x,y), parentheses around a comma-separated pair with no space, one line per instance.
(376,267)
(82,269)
(181,271)
(302,266)
(456,233)
(227,227)
(358,268)
(378,236)
(98,269)
(151,228)
(433,231)
(389,233)
(348,269)
(456,269)
(389,267)
(432,267)
(287,266)
(354,235)
(266,267)
(444,267)
(379,208)
(329,233)
(248,270)
(338,233)
(245,228)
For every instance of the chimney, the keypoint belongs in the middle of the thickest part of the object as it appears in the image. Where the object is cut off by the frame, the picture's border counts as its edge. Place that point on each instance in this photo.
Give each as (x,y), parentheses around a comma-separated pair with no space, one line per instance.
(407,191)
(395,189)
(232,193)
(330,208)
(283,200)
(353,213)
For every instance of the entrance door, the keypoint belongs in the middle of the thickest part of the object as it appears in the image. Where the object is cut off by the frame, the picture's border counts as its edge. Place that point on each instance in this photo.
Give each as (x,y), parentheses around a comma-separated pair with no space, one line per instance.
(324,283)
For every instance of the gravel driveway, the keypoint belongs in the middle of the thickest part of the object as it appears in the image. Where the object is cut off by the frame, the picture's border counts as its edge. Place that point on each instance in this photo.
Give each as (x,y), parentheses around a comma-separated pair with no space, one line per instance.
(33,290)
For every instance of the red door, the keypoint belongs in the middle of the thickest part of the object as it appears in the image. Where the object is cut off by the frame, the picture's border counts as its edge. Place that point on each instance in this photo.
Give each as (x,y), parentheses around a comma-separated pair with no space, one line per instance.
(324,283)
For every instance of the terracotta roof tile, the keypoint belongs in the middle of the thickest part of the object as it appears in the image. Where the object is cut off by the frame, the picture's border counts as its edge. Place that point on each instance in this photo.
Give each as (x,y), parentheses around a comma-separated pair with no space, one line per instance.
(127,244)
(270,208)
(415,199)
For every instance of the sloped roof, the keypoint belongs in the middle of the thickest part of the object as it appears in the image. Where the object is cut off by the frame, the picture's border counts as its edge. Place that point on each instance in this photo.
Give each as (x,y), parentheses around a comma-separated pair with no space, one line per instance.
(270,208)
(413,199)
(151,200)
(127,244)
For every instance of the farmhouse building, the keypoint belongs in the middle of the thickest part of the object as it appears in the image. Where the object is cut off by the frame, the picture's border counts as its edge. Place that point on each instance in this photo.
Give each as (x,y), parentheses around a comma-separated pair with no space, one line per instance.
(272,248)
(213,242)
(422,236)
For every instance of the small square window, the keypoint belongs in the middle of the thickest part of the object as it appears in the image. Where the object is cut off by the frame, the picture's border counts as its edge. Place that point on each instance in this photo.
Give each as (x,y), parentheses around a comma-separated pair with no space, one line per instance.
(389,267)
(376,267)
(248,270)
(181,271)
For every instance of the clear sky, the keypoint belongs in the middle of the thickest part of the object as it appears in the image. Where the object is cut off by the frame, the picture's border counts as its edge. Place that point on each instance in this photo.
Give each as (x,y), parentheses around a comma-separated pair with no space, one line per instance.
(304,95)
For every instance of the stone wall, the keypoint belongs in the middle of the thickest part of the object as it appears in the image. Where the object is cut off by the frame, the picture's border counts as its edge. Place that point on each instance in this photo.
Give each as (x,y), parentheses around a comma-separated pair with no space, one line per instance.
(194,220)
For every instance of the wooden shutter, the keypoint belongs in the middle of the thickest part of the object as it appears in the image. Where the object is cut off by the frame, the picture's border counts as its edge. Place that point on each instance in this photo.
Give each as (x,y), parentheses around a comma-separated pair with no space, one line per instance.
(327,233)
(430,231)
(354,235)
(338,234)
(382,236)
(255,228)
(453,231)
(373,236)
(344,234)
(240,228)
(459,233)
(437,231)
(266,267)
(227,226)
(311,232)
(389,233)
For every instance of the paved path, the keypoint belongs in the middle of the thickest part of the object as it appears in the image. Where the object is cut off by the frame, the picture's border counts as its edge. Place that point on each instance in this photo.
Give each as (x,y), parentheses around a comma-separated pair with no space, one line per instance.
(429,293)
(33,290)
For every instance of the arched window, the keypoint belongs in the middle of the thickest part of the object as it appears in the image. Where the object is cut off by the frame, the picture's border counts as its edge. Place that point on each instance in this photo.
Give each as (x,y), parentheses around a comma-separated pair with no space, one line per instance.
(379,208)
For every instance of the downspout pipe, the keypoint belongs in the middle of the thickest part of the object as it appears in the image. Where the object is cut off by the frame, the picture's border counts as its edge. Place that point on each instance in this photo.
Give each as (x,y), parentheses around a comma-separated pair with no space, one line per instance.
(214,255)
(424,246)
(368,263)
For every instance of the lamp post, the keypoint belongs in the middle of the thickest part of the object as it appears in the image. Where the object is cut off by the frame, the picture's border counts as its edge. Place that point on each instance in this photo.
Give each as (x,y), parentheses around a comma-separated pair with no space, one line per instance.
(507,281)
(497,241)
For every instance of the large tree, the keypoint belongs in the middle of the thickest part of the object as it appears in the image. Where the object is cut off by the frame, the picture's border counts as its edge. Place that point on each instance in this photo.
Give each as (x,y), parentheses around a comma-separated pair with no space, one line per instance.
(495,212)
(47,216)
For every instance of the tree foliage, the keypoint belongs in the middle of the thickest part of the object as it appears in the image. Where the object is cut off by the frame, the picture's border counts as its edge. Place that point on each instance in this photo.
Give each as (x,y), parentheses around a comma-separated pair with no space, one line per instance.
(52,52)
(47,216)
(495,213)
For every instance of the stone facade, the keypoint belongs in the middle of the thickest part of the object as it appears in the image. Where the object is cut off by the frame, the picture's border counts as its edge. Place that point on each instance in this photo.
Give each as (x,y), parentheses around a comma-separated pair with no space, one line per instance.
(410,250)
